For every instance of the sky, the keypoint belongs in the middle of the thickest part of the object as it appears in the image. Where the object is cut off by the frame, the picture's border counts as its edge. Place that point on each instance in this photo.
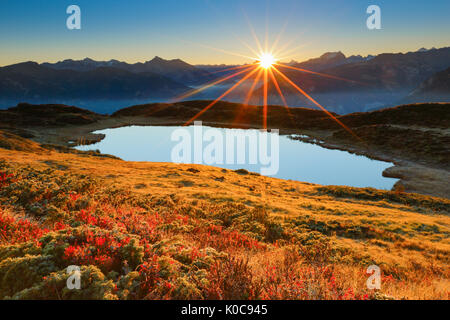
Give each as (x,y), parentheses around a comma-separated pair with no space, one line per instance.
(197,30)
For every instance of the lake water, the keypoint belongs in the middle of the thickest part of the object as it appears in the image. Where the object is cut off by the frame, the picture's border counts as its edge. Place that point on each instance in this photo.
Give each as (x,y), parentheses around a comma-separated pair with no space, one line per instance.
(298,160)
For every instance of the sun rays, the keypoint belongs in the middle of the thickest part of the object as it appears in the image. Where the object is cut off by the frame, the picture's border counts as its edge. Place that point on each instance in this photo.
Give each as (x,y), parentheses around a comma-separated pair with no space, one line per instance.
(265,68)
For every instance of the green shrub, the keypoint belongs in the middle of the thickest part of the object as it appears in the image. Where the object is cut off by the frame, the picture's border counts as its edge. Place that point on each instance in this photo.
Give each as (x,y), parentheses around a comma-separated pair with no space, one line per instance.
(17,274)
(94,285)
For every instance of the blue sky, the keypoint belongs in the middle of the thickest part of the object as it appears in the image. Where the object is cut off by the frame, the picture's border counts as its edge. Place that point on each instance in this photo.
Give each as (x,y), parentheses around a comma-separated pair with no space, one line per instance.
(137,30)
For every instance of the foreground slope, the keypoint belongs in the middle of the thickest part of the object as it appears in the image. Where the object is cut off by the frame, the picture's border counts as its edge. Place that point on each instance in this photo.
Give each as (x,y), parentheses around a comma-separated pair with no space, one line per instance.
(160,230)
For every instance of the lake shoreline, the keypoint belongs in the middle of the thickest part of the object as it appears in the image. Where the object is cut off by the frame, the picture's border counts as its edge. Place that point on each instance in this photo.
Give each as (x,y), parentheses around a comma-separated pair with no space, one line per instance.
(403,170)
(291,160)
(418,170)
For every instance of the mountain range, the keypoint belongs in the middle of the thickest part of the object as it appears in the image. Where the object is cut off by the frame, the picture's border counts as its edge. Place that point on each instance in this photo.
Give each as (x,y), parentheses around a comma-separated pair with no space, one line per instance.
(30,80)
(373,82)
(388,71)
(376,81)
(330,60)
(175,69)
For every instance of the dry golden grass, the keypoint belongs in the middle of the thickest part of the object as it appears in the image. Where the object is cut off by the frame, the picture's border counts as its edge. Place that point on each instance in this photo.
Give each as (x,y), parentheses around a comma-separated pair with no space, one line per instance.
(406,235)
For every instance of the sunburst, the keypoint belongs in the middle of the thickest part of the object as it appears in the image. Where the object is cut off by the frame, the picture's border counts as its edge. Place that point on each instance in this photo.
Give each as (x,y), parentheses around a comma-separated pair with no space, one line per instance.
(264,68)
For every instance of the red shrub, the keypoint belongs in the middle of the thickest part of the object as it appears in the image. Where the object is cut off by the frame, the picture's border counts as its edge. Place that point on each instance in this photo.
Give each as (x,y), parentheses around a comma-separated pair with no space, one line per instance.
(14,230)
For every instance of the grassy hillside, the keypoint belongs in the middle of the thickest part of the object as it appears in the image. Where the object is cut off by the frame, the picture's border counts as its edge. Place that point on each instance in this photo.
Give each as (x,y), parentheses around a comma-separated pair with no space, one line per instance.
(225,112)
(166,231)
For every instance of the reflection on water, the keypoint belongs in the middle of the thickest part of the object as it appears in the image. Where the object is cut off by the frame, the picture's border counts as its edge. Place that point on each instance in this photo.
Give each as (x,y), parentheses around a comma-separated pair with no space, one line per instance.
(297,160)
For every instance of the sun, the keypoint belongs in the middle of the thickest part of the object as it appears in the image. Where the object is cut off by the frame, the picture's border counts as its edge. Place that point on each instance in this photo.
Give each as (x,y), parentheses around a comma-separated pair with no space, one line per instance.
(266,60)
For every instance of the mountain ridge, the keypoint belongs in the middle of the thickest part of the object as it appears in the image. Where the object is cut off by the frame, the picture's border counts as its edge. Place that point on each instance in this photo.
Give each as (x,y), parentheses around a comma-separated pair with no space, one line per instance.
(175,69)
(29,80)
(374,82)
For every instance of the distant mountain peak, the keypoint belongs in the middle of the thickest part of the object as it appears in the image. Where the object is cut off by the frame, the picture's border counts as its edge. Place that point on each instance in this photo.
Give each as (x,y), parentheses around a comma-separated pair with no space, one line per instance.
(326,60)
(27,63)
(88,60)
(24,66)
(425,49)
(333,55)
(157,59)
